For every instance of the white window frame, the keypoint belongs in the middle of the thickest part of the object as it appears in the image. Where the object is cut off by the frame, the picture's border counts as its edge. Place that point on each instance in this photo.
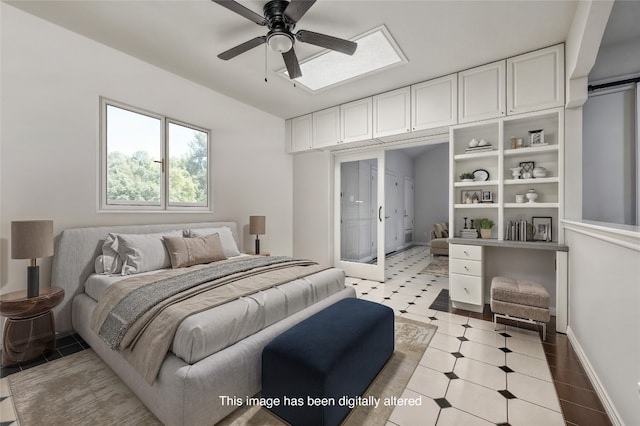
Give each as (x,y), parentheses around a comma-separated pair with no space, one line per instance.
(139,206)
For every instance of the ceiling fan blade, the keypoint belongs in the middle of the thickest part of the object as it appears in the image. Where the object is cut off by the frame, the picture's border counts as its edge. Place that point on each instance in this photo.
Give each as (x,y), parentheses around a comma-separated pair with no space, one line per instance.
(297,8)
(291,61)
(242,11)
(241,48)
(338,44)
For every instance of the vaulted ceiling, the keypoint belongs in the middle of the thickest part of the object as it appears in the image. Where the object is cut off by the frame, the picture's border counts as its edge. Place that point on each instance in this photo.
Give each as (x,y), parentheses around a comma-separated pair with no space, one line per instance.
(437,37)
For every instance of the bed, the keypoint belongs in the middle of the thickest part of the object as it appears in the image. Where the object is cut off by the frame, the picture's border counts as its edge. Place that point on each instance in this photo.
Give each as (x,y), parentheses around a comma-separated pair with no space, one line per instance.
(197,370)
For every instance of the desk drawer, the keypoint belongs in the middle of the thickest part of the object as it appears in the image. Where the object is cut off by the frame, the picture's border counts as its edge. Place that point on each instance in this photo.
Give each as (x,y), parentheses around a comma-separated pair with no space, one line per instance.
(466,289)
(461,251)
(465,267)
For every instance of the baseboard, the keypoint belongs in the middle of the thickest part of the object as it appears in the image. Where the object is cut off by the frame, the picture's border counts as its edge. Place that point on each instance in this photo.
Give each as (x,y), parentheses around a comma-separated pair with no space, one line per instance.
(613,414)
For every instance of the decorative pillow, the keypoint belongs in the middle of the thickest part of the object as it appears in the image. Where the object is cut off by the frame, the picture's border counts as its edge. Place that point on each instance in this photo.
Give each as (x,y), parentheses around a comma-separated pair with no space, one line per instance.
(226,238)
(111,262)
(144,252)
(104,263)
(193,251)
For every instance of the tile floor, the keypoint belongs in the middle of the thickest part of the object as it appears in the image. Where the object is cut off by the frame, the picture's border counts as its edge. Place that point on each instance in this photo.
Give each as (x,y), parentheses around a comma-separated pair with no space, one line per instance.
(469,375)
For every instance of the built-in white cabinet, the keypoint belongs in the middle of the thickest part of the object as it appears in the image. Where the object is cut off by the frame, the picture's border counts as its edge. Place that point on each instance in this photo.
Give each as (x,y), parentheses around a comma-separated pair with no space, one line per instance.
(481,93)
(535,80)
(356,121)
(434,103)
(392,113)
(466,284)
(326,127)
(302,133)
(504,171)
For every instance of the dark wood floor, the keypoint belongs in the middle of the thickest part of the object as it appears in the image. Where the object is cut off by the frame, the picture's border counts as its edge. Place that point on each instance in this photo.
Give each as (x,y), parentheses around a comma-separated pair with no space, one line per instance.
(578,399)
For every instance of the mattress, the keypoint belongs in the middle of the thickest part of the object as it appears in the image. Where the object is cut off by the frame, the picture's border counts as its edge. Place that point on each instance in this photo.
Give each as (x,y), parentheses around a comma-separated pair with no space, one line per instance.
(210,331)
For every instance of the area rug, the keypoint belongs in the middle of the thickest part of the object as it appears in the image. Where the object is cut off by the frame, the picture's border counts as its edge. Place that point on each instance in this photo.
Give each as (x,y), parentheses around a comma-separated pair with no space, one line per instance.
(439,267)
(441,302)
(81,389)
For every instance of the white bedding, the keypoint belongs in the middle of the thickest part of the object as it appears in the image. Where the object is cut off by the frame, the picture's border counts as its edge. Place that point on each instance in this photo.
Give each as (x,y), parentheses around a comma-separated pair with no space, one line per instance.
(210,331)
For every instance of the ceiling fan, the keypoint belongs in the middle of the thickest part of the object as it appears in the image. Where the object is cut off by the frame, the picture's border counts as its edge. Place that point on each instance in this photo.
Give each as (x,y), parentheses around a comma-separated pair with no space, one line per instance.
(281,17)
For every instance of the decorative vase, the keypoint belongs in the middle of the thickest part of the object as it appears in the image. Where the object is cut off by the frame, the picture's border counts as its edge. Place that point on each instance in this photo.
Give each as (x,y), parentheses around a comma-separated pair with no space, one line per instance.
(485,233)
(532,195)
(515,171)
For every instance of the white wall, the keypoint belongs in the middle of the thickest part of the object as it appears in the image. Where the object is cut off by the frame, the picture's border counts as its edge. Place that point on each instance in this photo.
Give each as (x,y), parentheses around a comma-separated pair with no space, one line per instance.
(431,174)
(51,82)
(609,157)
(604,313)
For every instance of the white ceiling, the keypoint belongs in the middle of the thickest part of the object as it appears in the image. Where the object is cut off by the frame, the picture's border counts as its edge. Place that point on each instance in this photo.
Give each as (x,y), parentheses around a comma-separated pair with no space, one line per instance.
(437,37)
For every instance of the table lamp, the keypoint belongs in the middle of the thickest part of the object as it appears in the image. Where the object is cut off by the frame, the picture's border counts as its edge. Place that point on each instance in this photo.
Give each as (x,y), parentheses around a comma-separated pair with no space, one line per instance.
(257,227)
(31,239)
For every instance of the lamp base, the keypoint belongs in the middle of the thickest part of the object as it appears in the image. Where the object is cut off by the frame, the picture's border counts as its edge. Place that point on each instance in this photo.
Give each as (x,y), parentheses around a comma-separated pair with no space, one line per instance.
(33,281)
(257,245)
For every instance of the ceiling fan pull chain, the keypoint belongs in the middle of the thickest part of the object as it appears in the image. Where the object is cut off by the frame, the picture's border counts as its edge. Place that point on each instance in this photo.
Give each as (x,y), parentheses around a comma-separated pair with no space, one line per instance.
(265,62)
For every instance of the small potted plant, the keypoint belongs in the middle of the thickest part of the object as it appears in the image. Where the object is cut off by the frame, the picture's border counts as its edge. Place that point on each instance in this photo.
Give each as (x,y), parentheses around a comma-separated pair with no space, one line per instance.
(467,177)
(485,227)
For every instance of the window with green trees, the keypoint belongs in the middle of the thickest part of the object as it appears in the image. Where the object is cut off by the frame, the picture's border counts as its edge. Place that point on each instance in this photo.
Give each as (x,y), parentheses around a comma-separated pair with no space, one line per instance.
(151,161)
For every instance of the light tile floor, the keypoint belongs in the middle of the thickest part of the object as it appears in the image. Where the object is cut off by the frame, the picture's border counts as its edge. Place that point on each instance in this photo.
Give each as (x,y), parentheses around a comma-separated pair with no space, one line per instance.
(469,374)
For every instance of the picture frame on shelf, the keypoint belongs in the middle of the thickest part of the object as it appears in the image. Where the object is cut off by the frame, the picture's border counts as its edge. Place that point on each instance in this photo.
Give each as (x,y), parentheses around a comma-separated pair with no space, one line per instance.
(542,228)
(526,169)
(536,138)
(487,196)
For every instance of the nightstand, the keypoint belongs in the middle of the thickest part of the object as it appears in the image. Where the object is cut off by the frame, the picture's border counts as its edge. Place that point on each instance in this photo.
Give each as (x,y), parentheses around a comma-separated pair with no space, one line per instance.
(29,329)
(262,253)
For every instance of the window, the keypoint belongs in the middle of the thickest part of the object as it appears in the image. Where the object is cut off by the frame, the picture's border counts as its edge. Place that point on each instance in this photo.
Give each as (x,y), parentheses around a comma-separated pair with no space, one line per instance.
(151,162)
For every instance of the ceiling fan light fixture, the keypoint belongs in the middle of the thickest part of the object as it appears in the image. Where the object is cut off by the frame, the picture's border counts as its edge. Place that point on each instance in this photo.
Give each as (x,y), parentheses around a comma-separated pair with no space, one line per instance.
(280,42)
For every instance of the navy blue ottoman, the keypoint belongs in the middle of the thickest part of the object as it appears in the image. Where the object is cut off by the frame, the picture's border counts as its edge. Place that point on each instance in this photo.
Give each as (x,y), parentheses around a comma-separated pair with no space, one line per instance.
(333,354)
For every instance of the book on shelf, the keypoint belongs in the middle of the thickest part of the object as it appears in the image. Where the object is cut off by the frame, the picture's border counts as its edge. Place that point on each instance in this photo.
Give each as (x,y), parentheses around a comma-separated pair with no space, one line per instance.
(478,149)
(468,233)
(519,230)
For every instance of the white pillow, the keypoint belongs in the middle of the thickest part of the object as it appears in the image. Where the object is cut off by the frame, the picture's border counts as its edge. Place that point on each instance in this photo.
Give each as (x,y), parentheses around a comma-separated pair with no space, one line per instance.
(104,263)
(144,252)
(226,238)
(111,262)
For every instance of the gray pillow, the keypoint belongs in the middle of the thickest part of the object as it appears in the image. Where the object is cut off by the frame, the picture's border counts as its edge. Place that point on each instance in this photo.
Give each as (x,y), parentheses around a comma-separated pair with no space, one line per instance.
(144,252)
(226,238)
(193,251)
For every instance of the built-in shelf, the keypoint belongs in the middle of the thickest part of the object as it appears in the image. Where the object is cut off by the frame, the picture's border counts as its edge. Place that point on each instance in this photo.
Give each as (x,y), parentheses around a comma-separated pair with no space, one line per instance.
(475,184)
(477,206)
(475,155)
(528,205)
(531,181)
(530,150)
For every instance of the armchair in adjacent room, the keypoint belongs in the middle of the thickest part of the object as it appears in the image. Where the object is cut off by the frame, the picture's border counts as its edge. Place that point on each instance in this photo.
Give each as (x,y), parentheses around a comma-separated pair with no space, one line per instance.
(439,237)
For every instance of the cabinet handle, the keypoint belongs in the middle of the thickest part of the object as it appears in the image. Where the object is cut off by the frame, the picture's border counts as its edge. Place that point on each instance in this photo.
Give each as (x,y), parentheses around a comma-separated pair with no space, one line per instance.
(466,252)
(466,289)
(466,268)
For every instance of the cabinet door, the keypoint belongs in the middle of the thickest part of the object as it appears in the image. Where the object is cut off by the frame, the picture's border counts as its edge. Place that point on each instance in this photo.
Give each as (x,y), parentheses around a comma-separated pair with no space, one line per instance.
(434,103)
(356,121)
(326,127)
(391,114)
(466,289)
(301,133)
(535,80)
(481,92)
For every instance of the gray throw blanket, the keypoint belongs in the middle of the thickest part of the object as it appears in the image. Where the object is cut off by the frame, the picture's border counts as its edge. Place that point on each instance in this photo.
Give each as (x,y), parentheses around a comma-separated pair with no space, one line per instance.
(140,315)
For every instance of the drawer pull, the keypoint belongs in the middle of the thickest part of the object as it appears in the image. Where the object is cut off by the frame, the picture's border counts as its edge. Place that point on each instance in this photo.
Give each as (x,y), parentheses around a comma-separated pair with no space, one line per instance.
(466,252)
(466,289)
(466,267)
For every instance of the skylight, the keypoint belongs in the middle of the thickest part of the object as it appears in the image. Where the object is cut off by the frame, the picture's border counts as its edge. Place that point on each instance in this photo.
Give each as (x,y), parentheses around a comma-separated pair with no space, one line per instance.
(376,51)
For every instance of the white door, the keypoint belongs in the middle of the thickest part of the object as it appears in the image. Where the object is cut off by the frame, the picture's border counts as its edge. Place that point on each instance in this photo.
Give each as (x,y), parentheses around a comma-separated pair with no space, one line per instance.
(359,215)
(408,204)
(391,209)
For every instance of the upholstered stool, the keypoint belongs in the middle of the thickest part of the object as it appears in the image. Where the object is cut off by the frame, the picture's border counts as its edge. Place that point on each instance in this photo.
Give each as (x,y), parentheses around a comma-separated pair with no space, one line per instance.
(332,354)
(520,300)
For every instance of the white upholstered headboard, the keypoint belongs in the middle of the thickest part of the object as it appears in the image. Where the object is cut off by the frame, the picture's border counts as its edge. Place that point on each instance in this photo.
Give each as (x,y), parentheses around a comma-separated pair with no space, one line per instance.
(76,250)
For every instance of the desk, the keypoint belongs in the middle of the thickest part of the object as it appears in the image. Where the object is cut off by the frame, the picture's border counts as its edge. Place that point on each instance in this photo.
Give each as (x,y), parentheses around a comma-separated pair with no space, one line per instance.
(29,329)
(511,258)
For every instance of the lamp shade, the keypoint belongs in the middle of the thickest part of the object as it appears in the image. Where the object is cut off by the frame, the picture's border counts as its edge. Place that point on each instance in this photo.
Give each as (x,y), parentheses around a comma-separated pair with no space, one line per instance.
(31,239)
(257,225)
